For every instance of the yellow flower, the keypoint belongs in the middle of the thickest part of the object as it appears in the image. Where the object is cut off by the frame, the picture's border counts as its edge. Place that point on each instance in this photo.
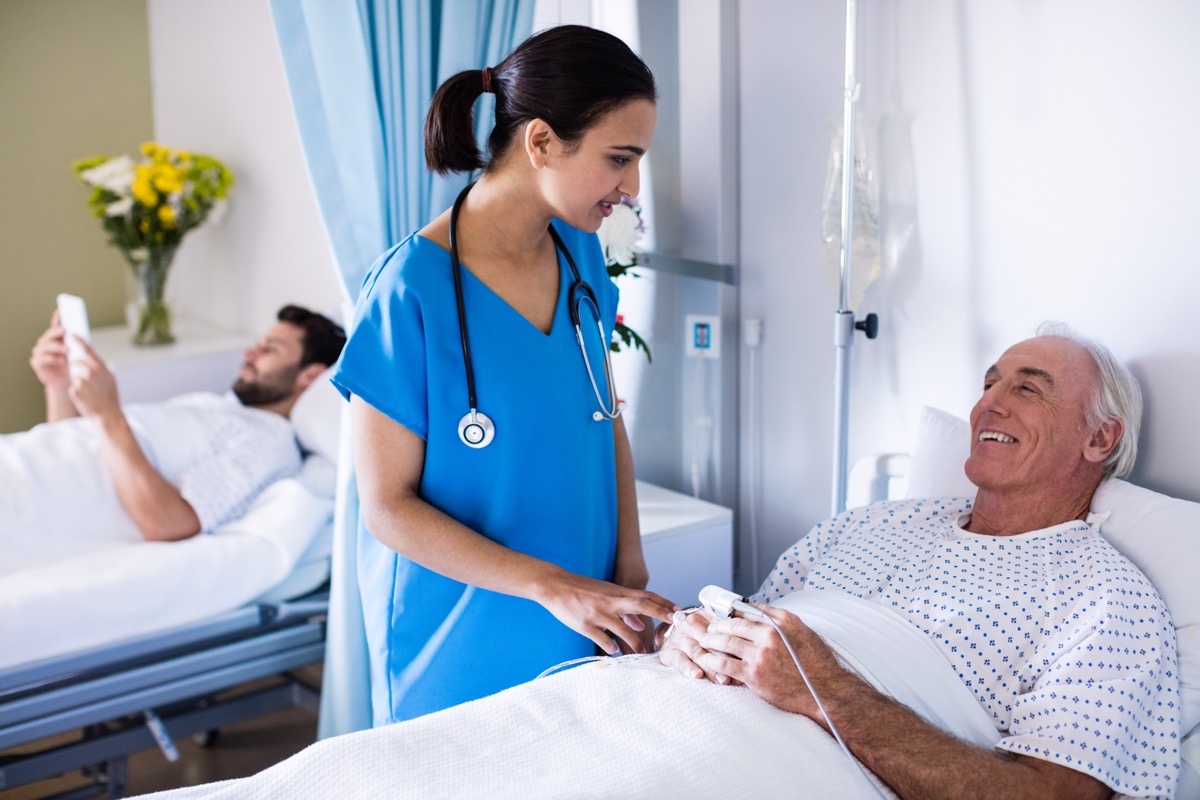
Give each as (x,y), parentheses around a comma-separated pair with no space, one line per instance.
(143,189)
(167,178)
(155,200)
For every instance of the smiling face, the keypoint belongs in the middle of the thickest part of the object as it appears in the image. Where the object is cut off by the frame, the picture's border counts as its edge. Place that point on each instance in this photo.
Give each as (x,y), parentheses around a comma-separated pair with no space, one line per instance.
(1028,430)
(583,182)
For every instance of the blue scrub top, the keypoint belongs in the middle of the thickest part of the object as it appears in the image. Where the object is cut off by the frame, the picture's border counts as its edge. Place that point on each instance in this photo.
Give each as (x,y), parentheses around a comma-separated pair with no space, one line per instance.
(545,486)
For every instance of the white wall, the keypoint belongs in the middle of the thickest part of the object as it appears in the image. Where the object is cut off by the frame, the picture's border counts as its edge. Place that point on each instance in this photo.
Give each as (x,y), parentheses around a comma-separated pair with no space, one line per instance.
(1048,147)
(219,88)
(74,82)
(1054,177)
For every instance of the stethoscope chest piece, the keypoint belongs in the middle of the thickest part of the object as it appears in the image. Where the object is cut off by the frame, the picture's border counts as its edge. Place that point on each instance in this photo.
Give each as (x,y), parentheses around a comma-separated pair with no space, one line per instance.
(476,429)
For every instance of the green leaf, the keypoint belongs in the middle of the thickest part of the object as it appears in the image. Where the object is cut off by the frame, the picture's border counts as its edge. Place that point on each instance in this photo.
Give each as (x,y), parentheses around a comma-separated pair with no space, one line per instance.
(630,338)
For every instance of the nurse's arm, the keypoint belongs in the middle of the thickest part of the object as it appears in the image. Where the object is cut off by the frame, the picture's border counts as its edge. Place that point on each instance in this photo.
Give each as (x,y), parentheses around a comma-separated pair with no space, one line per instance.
(389,460)
(630,568)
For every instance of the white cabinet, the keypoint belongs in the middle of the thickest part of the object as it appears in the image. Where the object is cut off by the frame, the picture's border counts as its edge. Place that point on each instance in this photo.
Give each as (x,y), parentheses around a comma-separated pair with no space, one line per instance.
(688,543)
(202,358)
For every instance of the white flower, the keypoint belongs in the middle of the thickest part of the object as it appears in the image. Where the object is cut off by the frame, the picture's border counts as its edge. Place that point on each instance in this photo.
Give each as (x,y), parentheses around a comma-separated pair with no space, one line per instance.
(139,254)
(620,234)
(120,208)
(115,175)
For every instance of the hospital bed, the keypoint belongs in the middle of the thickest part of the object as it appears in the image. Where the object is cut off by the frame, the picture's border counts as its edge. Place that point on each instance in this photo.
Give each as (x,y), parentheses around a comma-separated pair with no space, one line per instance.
(629,727)
(137,645)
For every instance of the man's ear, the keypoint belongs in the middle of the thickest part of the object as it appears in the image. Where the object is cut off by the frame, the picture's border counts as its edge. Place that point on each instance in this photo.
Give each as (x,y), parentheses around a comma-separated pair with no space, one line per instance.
(308,374)
(1101,445)
(538,139)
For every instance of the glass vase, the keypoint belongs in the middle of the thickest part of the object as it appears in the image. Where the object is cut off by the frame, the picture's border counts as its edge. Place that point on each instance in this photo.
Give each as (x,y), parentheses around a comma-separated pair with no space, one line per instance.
(148,314)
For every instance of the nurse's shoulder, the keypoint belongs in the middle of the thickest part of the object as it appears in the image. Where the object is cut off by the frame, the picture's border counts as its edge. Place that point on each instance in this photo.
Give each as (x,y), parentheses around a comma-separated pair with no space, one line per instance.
(415,263)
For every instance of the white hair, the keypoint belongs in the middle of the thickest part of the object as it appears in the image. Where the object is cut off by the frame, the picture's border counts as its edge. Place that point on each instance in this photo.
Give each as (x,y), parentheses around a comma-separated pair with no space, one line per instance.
(1116,395)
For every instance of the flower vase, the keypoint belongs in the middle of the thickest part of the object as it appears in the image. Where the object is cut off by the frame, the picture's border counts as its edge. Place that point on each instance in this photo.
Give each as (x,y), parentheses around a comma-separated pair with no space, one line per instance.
(149,315)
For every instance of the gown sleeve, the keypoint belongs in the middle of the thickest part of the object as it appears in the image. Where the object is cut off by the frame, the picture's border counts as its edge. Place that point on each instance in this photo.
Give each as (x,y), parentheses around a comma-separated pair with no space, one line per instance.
(384,360)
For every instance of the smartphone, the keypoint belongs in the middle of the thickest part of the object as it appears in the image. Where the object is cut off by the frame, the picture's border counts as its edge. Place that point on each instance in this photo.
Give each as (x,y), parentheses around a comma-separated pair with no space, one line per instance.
(72,315)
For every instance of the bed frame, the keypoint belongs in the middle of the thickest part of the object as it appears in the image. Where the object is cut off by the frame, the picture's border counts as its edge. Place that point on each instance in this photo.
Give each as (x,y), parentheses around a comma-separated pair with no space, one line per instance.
(90,710)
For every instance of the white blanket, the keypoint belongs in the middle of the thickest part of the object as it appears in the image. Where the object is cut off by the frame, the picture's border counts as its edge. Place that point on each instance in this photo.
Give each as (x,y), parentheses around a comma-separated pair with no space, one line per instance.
(123,590)
(621,729)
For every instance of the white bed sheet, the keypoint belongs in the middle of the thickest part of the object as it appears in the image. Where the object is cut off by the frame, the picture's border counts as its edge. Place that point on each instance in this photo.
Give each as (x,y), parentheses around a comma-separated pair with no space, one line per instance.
(620,729)
(120,591)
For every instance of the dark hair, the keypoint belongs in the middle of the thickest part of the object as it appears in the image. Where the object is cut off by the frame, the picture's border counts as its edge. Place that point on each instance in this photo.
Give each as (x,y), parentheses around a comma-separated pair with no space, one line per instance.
(323,338)
(569,76)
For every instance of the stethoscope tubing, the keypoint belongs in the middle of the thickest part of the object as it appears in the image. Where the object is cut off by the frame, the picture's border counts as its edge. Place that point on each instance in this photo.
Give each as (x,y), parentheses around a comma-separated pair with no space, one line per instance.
(458,296)
(475,429)
(613,409)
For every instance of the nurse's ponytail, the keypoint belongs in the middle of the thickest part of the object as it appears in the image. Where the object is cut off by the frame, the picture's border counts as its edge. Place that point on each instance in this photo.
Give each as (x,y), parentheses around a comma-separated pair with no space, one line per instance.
(449,125)
(569,76)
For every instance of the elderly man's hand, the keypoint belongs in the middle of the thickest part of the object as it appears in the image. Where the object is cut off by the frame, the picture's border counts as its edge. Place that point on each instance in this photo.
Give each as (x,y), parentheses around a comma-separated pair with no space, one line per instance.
(681,650)
(749,651)
(93,387)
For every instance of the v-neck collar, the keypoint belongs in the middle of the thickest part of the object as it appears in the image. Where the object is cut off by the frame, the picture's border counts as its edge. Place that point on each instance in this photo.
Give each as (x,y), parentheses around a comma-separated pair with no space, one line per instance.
(559,302)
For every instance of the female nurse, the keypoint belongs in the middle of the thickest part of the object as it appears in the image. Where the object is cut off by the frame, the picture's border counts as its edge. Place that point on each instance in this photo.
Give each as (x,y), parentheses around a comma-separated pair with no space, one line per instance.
(499,532)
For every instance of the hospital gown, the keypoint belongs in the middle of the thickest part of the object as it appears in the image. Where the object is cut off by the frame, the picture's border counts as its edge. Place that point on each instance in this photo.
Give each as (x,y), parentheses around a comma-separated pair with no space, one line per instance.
(545,486)
(1063,641)
(57,496)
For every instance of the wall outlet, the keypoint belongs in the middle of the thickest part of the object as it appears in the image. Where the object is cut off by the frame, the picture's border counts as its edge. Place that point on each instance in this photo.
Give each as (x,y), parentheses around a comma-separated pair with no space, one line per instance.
(702,336)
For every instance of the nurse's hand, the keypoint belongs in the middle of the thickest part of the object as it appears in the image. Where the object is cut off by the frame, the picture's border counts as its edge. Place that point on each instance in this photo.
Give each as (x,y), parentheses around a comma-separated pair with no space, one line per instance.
(603,611)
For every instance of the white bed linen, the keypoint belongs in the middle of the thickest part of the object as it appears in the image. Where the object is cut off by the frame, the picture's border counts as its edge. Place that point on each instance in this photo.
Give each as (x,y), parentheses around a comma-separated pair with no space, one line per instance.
(122,590)
(620,729)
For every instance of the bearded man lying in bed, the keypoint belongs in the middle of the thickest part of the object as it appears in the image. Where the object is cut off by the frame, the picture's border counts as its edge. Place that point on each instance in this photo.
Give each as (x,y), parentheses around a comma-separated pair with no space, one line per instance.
(98,471)
(1064,643)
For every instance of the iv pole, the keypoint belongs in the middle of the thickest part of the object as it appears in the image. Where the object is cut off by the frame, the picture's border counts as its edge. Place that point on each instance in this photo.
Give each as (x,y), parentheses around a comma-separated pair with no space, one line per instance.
(844,324)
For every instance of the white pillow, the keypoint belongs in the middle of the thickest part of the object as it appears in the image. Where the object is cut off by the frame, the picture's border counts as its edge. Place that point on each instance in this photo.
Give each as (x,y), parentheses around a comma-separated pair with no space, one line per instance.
(1159,534)
(317,416)
(942,446)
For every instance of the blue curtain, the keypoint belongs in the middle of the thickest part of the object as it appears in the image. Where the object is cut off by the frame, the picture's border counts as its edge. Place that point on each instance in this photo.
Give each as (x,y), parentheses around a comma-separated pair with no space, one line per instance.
(361,74)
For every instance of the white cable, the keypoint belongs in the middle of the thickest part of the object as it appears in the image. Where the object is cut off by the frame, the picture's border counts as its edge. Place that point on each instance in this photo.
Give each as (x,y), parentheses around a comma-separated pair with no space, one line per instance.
(699,421)
(616,659)
(752,478)
(746,608)
(566,664)
(752,336)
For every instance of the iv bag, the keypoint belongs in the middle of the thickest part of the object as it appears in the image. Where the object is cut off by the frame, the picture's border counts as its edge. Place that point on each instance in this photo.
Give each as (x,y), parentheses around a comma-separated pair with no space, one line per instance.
(865,226)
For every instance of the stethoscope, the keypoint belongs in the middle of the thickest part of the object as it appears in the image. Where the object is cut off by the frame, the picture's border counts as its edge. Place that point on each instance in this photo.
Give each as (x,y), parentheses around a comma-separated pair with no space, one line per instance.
(476,429)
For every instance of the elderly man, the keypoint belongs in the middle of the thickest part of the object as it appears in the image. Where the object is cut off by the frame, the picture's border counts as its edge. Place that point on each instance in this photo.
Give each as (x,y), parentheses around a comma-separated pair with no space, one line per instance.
(98,472)
(1063,642)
